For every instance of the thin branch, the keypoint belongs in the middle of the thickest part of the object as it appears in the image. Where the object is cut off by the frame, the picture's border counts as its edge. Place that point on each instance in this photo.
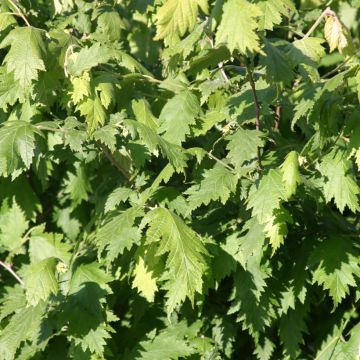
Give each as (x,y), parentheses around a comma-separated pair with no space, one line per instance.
(326,12)
(221,63)
(19,13)
(12,272)
(113,161)
(277,116)
(257,112)
(211,156)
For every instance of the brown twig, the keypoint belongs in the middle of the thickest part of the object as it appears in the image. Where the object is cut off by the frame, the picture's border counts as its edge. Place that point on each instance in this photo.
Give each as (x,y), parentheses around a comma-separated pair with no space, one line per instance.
(113,161)
(257,111)
(12,272)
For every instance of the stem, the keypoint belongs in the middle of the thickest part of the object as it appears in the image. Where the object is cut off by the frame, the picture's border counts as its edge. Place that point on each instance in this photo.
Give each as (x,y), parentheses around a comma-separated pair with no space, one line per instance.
(12,272)
(277,116)
(326,12)
(19,13)
(113,161)
(257,111)
(211,156)
(220,64)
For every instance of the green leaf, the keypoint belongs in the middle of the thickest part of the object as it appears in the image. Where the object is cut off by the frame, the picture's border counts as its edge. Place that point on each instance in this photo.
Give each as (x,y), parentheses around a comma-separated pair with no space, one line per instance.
(177,116)
(243,146)
(174,18)
(89,57)
(238,26)
(157,346)
(110,23)
(267,197)
(217,184)
(26,55)
(143,114)
(292,325)
(107,136)
(277,66)
(118,234)
(13,225)
(17,144)
(339,184)
(307,50)
(94,112)
(10,89)
(337,266)
(272,11)
(144,281)
(22,326)
(43,245)
(40,280)
(153,141)
(185,262)
(77,185)
(290,173)
(95,340)
(120,194)
(276,227)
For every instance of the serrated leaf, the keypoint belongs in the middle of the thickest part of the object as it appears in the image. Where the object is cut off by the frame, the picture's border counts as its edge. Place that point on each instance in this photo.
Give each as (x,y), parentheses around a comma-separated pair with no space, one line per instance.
(290,173)
(94,112)
(17,144)
(238,26)
(110,23)
(272,11)
(177,116)
(107,136)
(267,197)
(243,146)
(174,18)
(13,225)
(22,326)
(143,114)
(185,262)
(339,184)
(26,55)
(217,184)
(337,266)
(144,281)
(277,66)
(40,280)
(43,245)
(157,347)
(95,340)
(118,234)
(307,50)
(120,194)
(89,57)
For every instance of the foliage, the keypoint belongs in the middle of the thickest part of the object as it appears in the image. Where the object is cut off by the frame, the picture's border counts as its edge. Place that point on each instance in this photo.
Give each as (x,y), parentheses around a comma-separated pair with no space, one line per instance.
(179,179)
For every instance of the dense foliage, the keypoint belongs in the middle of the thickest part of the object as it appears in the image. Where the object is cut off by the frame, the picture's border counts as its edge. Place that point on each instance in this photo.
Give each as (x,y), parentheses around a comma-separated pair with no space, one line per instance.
(179,179)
